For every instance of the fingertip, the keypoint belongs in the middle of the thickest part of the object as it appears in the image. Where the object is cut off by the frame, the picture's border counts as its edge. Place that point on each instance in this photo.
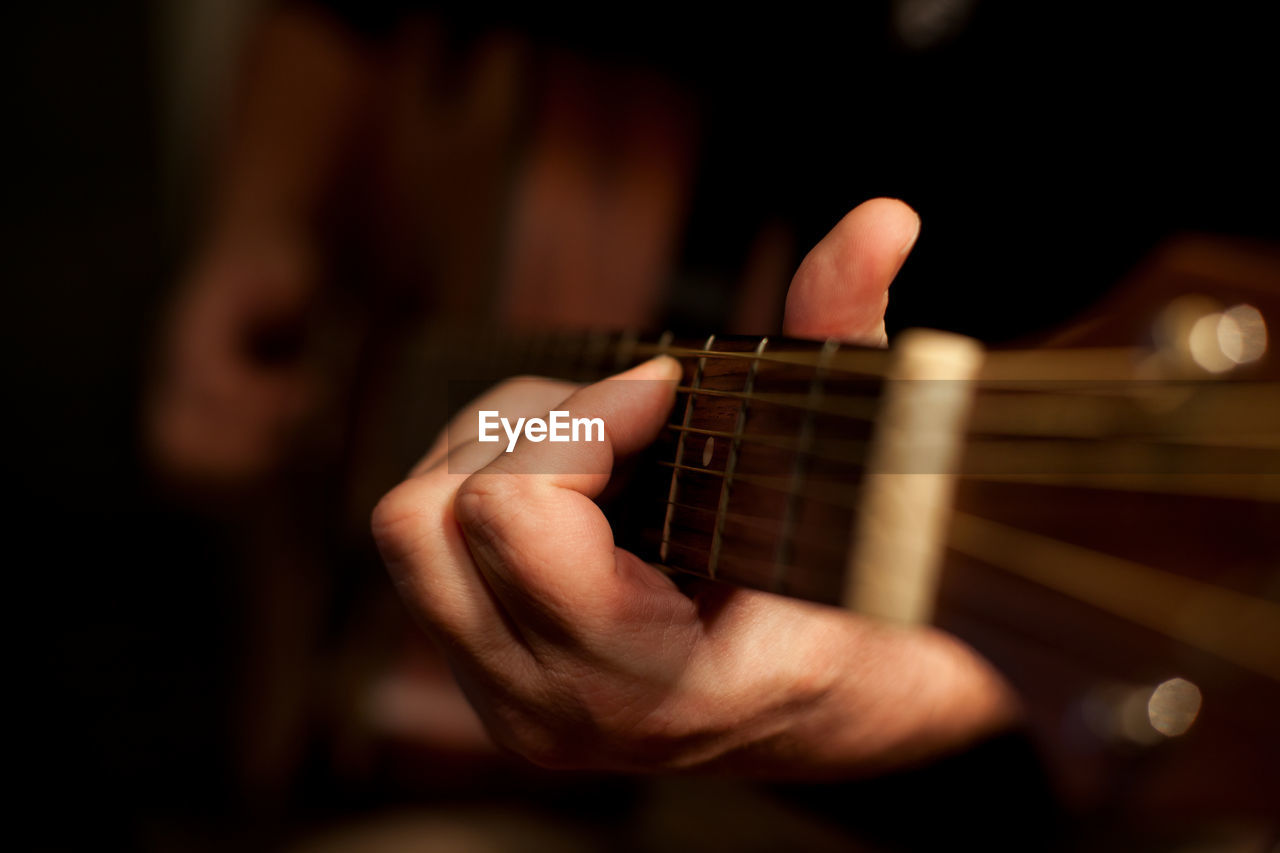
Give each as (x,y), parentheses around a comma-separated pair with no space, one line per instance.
(841,287)
(895,221)
(910,242)
(659,368)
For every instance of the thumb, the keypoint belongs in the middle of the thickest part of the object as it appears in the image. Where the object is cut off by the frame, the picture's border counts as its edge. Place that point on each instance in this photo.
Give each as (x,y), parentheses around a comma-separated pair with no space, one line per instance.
(842,286)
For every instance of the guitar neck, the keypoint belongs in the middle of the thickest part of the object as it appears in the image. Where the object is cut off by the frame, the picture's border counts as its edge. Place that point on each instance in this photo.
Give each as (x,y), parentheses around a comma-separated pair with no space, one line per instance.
(760,474)
(768,473)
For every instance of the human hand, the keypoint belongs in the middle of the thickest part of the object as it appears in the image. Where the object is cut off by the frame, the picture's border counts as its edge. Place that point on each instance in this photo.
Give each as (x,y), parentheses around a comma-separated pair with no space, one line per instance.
(576,653)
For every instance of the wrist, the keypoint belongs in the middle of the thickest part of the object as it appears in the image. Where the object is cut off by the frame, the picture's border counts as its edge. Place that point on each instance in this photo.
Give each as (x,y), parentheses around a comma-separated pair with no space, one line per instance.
(868,698)
(909,695)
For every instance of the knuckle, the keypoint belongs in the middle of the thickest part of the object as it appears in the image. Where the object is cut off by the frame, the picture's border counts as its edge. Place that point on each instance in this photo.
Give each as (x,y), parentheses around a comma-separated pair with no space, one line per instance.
(540,738)
(390,514)
(482,500)
(398,520)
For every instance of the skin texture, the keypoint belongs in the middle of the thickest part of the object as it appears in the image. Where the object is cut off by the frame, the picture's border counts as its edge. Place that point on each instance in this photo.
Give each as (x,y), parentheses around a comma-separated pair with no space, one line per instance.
(575,653)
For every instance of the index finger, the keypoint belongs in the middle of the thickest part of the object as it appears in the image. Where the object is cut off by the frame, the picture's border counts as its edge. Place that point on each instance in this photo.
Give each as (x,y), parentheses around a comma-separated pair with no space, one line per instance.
(530,522)
(522,396)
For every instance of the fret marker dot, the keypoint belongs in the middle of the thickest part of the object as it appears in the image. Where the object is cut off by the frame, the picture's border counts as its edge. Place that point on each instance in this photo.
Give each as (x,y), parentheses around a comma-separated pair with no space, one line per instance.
(708,449)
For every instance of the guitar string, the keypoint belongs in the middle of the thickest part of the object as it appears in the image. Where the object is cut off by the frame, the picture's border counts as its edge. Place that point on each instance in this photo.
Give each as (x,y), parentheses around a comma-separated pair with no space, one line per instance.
(767,483)
(1259,485)
(1237,627)
(758,523)
(1250,487)
(762,522)
(809,543)
(731,547)
(852,450)
(1105,408)
(1001,366)
(1084,405)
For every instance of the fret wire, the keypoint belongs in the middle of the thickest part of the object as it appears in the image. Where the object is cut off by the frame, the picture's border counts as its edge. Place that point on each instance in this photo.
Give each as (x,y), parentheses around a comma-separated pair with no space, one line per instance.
(694,549)
(1242,400)
(998,378)
(999,366)
(733,516)
(713,433)
(820,544)
(796,401)
(779,443)
(804,358)
(771,483)
(808,543)
(732,460)
(785,549)
(675,471)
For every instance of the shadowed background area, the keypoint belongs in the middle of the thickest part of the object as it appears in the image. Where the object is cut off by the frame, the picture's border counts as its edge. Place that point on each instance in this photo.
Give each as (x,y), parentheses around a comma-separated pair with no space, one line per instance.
(430,166)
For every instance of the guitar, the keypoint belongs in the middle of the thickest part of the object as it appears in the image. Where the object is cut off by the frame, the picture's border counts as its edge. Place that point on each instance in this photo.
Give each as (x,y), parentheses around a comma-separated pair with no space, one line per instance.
(1101,522)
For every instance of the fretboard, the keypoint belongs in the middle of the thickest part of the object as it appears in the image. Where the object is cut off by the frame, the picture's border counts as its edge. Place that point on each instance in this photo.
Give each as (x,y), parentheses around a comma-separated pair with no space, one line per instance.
(757,474)
(758,477)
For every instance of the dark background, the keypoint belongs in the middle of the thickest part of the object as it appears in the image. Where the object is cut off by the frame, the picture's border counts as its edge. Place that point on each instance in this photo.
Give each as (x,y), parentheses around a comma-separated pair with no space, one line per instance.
(1047,147)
